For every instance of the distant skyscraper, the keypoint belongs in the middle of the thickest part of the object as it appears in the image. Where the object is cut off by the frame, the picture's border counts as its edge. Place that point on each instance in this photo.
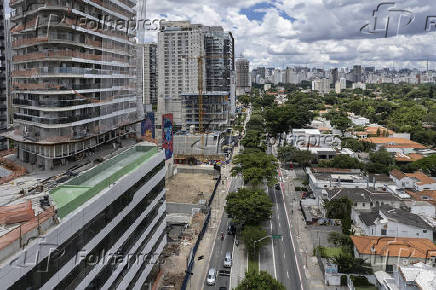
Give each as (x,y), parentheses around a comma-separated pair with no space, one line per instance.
(357,73)
(73,87)
(3,81)
(182,47)
(334,76)
(243,84)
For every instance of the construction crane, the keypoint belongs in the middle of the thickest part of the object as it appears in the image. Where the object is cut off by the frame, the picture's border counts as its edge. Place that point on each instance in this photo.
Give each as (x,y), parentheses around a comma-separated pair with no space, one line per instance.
(200,62)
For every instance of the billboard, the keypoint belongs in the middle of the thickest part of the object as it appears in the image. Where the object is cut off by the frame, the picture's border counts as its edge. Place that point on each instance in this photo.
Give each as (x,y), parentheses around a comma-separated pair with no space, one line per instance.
(147,127)
(167,135)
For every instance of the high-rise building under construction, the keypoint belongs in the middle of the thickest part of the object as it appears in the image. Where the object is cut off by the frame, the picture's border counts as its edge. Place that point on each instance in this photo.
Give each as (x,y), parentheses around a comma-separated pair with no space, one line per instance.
(73,73)
(196,72)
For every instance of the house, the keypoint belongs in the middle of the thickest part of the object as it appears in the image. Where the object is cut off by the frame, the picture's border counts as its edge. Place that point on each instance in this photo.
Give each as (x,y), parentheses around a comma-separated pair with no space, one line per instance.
(394,222)
(321,179)
(425,195)
(401,158)
(373,130)
(395,144)
(358,120)
(386,253)
(417,181)
(410,277)
(364,199)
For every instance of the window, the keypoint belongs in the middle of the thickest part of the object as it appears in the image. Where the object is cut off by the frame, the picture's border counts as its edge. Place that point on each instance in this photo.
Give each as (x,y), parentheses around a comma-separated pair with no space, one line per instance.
(390,269)
(383,232)
(363,204)
(424,231)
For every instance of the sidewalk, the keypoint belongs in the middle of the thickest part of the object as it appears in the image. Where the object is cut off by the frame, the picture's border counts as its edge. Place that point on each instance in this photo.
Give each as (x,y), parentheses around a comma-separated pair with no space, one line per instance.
(206,246)
(303,241)
(239,267)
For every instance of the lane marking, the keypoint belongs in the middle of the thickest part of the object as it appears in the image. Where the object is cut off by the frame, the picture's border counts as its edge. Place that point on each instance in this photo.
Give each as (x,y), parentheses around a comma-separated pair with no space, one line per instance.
(292,239)
(233,255)
(274,257)
(287,274)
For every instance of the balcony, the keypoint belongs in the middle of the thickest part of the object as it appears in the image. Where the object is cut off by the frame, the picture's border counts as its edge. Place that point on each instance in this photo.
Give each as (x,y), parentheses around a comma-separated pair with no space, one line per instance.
(54,121)
(36,72)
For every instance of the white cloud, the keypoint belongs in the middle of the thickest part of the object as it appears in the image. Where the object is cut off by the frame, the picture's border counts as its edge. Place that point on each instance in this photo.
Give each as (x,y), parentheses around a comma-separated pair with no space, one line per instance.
(325,32)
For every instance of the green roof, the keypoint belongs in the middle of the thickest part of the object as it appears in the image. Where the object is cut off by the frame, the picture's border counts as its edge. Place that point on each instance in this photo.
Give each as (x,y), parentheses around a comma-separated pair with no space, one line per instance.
(80,189)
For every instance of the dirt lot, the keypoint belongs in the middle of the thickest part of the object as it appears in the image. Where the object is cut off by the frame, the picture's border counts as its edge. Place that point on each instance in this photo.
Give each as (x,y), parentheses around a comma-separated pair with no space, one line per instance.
(182,189)
(176,255)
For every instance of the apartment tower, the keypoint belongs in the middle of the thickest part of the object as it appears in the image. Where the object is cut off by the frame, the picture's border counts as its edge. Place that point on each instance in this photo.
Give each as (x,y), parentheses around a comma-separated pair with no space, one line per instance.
(243,84)
(189,54)
(150,74)
(73,77)
(3,81)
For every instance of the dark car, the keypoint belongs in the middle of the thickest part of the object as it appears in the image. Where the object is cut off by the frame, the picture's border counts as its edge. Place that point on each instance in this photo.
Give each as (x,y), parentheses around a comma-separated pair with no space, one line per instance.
(231,229)
(277,186)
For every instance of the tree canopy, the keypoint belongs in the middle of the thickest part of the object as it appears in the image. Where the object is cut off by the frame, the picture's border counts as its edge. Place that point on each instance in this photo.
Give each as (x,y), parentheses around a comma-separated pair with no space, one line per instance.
(248,207)
(259,281)
(255,167)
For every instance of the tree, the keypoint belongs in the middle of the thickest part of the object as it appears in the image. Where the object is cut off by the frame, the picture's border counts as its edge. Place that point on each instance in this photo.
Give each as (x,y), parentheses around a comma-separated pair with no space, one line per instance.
(381,161)
(341,122)
(427,165)
(347,264)
(341,240)
(248,207)
(346,225)
(290,153)
(358,145)
(252,237)
(244,99)
(338,208)
(341,161)
(255,168)
(254,139)
(259,281)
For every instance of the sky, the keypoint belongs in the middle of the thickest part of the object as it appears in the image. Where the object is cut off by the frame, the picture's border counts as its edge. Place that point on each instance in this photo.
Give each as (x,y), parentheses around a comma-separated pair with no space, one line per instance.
(321,33)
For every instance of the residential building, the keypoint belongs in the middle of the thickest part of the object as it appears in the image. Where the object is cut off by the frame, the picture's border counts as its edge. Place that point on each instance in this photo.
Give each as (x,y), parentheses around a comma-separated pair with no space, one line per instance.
(105,227)
(387,253)
(321,85)
(4,118)
(359,85)
(149,81)
(392,222)
(243,84)
(193,57)
(395,144)
(410,277)
(358,120)
(321,179)
(374,131)
(417,181)
(363,199)
(74,86)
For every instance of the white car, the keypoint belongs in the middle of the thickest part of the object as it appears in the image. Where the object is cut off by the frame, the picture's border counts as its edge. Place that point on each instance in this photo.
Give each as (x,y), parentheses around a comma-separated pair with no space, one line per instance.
(228,260)
(211,277)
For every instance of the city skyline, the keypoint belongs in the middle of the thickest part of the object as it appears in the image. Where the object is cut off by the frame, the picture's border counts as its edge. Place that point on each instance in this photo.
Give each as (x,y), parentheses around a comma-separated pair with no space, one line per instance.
(314,33)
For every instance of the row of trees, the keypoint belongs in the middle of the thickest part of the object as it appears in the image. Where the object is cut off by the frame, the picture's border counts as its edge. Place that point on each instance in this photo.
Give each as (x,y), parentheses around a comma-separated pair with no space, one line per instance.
(249,207)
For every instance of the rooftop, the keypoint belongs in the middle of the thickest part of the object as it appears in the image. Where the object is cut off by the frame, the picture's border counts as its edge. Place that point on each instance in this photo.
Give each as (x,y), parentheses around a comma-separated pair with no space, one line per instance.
(69,196)
(425,195)
(420,177)
(423,275)
(408,157)
(25,202)
(404,217)
(393,142)
(394,247)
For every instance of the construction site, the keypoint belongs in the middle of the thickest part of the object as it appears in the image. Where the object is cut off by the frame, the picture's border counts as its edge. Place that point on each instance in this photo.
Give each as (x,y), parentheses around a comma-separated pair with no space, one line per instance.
(187,205)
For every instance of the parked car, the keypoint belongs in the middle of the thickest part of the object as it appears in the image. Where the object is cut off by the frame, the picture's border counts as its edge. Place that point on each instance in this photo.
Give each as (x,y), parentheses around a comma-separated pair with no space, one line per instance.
(277,186)
(211,277)
(228,260)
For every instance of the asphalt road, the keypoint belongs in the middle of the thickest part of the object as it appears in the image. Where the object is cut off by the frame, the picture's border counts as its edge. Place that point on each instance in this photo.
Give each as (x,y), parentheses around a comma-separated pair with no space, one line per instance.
(221,247)
(278,257)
